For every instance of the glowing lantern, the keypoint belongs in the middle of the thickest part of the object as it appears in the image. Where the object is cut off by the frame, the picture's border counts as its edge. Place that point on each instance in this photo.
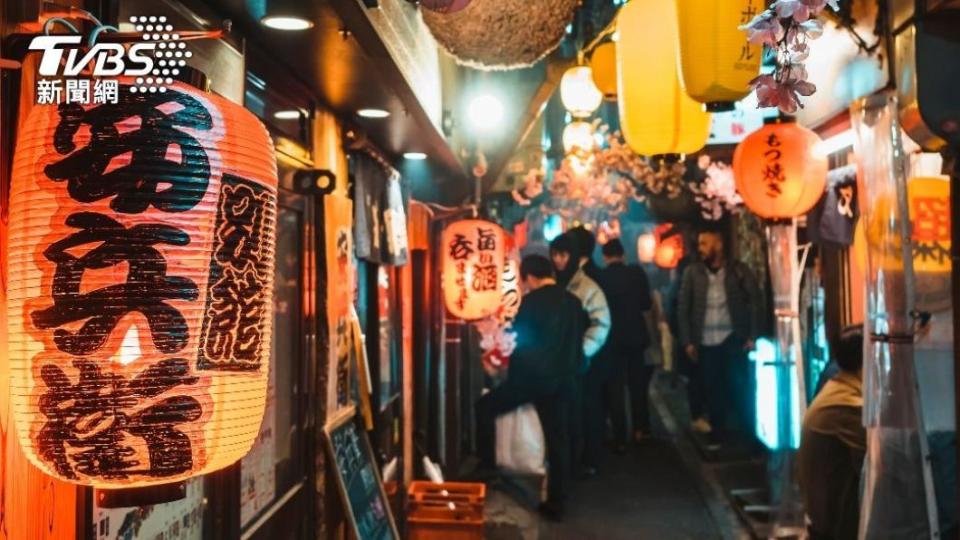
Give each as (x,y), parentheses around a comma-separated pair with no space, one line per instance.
(578,138)
(578,92)
(140,292)
(473,256)
(778,173)
(603,65)
(656,116)
(716,60)
(669,249)
(646,247)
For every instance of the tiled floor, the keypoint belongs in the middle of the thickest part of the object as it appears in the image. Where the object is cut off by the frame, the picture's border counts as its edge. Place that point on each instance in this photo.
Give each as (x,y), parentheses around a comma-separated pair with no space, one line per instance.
(654,491)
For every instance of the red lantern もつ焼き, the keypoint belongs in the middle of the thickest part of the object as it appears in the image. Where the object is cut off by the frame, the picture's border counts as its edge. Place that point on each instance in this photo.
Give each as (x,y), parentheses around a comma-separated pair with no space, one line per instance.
(778,171)
(473,257)
(140,286)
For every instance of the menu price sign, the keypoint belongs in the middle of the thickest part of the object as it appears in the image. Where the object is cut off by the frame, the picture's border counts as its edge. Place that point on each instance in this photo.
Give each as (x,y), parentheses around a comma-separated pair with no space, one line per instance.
(358,479)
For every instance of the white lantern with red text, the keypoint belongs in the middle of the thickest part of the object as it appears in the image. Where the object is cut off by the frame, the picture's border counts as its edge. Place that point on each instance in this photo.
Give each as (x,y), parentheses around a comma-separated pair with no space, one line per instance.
(473,255)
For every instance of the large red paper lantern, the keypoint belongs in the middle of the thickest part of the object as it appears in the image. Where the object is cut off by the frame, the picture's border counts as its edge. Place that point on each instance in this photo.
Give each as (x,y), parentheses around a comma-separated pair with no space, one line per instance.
(140,292)
(473,256)
(669,249)
(778,171)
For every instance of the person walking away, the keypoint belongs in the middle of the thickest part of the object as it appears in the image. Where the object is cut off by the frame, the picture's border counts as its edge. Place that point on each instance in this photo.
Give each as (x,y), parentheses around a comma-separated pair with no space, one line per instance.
(567,253)
(718,321)
(833,444)
(628,294)
(549,331)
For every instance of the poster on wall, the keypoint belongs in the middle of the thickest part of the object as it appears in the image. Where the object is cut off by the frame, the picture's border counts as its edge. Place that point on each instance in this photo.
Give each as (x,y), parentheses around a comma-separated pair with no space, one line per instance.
(178,520)
(258,480)
(341,277)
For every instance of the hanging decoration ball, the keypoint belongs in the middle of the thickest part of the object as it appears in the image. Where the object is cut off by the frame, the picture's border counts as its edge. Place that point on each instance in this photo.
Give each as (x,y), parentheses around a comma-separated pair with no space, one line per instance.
(656,116)
(472,268)
(444,6)
(140,286)
(502,34)
(603,66)
(717,62)
(579,94)
(778,172)
(578,138)
(646,247)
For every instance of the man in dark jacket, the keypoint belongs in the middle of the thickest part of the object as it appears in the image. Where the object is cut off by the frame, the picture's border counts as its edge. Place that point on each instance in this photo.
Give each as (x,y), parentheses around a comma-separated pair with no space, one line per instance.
(549,331)
(628,295)
(719,319)
(833,445)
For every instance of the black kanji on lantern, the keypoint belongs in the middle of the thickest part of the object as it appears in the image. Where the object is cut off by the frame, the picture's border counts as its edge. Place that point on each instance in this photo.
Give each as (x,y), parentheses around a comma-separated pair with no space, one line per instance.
(486,239)
(485,277)
(236,311)
(773,172)
(158,163)
(146,290)
(89,424)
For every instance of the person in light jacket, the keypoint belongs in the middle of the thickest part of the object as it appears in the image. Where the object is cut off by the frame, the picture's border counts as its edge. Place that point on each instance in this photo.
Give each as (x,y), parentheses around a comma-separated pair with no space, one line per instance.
(570,261)
(718,320)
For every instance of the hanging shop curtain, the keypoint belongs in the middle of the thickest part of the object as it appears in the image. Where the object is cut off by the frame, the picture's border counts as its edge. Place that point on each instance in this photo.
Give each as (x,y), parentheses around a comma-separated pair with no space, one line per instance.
(380,212)
(834,218)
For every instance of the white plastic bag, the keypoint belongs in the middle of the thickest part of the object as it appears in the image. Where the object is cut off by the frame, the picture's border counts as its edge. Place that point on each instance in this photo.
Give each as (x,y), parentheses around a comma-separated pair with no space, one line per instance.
(520,444)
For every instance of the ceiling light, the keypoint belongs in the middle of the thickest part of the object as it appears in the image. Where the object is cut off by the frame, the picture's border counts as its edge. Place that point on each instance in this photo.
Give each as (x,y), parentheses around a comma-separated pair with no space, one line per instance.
(417,156)
(286,22)
(373,113)
(291,114)
(485,112)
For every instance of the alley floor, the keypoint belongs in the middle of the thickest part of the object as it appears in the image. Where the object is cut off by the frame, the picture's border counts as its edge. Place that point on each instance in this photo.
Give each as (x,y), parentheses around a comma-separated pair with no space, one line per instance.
(661,489)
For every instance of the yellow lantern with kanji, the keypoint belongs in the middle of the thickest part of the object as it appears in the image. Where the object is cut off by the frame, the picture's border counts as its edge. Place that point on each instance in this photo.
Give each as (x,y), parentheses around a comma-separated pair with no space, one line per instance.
(141,240)
(579,94)
(929,201)
(472,268)
(656,116)
(717,62)
(603,64)
(778,172)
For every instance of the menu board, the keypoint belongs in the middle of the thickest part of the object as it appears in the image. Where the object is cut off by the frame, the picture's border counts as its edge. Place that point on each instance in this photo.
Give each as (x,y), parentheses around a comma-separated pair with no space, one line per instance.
(358,480)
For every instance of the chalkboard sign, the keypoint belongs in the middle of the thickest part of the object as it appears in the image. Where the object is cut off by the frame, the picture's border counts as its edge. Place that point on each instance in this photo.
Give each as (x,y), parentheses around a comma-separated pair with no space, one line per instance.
(358,479)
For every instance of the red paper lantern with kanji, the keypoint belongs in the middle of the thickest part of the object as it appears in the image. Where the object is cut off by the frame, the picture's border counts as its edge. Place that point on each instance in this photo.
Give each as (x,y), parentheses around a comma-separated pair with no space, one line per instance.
(779,172)
(140,286)
(669,249)
(473,256)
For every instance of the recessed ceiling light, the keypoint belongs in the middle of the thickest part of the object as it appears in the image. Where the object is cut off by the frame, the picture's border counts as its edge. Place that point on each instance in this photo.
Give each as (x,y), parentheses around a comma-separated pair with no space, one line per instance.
(415,155)
(286,22)
(291,114)
(373,113)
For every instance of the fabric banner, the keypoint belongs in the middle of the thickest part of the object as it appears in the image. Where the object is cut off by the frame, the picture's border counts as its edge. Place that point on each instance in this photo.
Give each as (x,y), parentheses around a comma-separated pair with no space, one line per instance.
(380,215)
(835,216)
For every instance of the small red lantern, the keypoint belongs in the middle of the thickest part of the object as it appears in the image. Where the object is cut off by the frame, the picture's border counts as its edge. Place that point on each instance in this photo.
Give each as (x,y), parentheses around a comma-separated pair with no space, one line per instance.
(779,172)
(473,256)
(669,249)
(140,291)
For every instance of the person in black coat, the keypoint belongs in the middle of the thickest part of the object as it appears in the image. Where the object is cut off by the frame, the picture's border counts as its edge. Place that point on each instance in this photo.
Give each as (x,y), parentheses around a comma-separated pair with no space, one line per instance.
(628,295)
(549,331)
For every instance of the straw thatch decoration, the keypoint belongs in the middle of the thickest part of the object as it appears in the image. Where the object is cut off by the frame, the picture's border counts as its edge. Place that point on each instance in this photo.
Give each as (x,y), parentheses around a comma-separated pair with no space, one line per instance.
(502,34)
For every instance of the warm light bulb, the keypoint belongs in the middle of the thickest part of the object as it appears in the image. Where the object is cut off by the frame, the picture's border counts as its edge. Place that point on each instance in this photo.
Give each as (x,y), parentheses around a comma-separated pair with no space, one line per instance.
(485,112)
(578,138)
(287,23)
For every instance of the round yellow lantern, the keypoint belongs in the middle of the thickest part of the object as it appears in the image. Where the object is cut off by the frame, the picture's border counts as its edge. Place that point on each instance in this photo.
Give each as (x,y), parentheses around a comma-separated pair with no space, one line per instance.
(656,116)
(578,138)
(717,62)
(603,64)
(578,92)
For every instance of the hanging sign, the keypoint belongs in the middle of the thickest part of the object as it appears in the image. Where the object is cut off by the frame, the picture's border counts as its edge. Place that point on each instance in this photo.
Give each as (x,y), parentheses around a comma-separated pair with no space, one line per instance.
(473,254)
(930,219)
(140,291)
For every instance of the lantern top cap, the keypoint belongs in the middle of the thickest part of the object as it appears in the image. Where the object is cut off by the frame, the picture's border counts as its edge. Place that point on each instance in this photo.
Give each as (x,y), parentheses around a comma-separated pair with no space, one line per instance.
(781,119)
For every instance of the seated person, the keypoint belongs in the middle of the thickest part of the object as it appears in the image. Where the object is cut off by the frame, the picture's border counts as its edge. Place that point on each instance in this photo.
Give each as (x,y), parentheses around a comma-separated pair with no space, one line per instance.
(832,446)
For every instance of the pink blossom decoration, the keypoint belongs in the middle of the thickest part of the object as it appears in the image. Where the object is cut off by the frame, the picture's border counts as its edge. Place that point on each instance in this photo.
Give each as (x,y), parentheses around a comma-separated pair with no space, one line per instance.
(787,26)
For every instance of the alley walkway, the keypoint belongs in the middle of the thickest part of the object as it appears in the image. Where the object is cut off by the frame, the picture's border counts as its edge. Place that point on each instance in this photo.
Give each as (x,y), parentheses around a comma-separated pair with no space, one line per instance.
(657,490)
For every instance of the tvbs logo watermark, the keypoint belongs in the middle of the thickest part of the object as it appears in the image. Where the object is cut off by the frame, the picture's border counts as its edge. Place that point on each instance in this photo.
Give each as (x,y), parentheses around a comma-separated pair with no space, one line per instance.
(70,72)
